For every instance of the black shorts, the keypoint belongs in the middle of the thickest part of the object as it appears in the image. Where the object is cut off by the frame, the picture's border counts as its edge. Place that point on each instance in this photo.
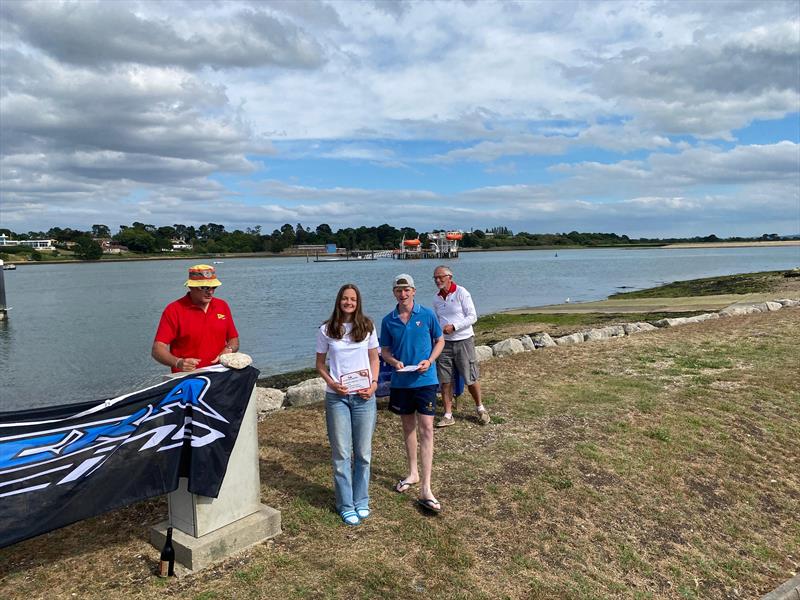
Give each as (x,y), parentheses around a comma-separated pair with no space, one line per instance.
(407,401)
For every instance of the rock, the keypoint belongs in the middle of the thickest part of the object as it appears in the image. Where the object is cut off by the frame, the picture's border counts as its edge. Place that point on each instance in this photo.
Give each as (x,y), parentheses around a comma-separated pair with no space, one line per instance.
(733,311)
(269,399)
(543,340)
(593,335)
(527,343)
(644,326)
(235,360)
(574,338)
(614,330)
(671,322)
(306,392)
(483,353)
(773,306)
(509,346)
(631,328)
(788,302)
(701,318)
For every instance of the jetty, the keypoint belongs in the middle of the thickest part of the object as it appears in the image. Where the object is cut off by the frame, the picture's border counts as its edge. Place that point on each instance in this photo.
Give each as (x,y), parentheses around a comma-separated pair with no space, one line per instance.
(3,307)
(441,245)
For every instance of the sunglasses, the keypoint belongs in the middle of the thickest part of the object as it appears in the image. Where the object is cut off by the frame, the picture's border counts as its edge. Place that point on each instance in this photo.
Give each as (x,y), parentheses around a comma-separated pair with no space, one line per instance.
(205,288)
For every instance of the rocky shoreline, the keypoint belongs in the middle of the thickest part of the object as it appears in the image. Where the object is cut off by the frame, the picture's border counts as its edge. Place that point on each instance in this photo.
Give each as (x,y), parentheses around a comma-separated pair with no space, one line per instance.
(312,391)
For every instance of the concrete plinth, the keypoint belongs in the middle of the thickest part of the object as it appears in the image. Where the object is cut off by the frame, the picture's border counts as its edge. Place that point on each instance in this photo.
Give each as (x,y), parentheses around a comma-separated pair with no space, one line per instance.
(207,530)
(196,553)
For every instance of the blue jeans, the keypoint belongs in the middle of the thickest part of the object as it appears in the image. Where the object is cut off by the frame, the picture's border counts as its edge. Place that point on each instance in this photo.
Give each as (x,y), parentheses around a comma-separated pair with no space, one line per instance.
(351,422)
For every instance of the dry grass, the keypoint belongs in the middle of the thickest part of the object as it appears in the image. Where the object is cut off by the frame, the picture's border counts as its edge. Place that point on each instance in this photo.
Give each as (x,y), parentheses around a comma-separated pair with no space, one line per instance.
(665,465)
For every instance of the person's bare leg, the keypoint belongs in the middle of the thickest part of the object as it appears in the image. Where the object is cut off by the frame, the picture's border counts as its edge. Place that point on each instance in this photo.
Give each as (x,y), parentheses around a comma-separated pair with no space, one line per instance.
(447,398)
(425,425)
(475,392)
(410,439)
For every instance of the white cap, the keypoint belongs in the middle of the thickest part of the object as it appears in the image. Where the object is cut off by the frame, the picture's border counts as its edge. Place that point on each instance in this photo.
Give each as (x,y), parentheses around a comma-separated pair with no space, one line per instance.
(404,280)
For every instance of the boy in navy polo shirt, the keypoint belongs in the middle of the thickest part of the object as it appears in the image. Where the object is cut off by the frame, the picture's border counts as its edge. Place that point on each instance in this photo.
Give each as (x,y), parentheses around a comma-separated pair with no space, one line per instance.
(411,340)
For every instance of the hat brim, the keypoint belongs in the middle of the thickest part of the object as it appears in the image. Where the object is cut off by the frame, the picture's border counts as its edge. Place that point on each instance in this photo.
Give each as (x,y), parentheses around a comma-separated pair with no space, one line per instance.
(203,282)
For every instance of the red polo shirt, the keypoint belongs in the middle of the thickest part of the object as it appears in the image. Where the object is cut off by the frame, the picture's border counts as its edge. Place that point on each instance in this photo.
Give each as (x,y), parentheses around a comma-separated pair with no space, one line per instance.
(192,333)
(452,289)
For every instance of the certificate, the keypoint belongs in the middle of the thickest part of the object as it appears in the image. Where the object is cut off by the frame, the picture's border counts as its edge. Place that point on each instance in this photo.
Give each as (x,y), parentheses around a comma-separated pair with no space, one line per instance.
(357,380)
(408,369)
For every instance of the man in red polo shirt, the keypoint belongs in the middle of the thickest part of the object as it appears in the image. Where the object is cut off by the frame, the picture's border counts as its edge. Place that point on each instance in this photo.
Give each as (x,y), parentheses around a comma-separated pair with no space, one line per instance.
(196,329)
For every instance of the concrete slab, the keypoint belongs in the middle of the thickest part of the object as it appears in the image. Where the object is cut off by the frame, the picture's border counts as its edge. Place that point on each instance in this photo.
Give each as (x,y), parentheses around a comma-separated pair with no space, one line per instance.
(790,590)
(196,553)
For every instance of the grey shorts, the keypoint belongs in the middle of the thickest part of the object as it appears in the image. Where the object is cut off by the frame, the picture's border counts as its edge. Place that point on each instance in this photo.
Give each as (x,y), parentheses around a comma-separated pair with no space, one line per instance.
(458,356)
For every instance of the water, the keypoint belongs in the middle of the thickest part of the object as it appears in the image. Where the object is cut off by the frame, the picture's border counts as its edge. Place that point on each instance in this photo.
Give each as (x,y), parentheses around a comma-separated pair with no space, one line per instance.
(81,332)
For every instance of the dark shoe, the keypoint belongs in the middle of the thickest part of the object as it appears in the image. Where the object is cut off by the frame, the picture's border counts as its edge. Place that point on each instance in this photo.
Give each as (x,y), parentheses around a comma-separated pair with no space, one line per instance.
(431,504)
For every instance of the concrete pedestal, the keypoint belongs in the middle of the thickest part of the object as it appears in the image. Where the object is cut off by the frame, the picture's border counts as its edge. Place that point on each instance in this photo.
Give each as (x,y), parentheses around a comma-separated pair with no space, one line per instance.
(207,530)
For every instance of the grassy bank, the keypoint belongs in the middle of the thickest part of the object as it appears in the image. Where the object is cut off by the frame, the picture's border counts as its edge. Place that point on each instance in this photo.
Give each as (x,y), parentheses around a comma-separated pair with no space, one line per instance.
(663,465)
(744,283)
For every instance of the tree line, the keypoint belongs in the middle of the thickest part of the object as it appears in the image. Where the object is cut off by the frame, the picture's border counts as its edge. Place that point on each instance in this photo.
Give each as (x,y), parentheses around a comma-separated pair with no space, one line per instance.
(213,238)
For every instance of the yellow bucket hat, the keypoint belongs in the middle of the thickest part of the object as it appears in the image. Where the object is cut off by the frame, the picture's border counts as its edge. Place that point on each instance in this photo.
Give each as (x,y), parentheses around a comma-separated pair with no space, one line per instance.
(202,276)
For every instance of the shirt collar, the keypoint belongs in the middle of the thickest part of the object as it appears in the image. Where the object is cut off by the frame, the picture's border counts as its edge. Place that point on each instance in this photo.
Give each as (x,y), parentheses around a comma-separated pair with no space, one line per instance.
(452,289)
(414,310)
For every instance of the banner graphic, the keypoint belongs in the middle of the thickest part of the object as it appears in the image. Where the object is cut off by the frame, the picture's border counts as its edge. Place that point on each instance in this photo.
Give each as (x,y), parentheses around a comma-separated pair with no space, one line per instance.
(62,464)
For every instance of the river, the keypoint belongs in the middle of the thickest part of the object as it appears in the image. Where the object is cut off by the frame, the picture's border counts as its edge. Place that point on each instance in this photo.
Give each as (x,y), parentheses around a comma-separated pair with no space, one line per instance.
(80,332)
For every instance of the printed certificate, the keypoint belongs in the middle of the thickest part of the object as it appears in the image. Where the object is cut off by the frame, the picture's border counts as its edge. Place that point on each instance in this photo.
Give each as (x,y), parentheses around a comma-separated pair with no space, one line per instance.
(357,380)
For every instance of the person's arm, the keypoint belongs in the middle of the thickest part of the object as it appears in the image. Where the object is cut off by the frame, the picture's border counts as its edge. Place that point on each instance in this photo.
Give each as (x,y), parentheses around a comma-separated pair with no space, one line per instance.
(468,310)
(161,353)
(390,360)
(374,369)
(322,369)
(424,365)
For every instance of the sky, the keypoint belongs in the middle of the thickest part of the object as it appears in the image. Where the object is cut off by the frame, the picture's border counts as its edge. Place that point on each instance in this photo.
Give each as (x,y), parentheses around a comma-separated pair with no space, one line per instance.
(655,119)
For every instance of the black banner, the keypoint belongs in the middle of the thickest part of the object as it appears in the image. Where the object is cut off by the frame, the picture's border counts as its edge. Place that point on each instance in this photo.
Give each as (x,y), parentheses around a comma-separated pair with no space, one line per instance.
(62,464)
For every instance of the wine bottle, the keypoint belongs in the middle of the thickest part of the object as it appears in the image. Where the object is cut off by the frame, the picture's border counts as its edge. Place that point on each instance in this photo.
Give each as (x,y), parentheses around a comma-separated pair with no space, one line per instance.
(166,566)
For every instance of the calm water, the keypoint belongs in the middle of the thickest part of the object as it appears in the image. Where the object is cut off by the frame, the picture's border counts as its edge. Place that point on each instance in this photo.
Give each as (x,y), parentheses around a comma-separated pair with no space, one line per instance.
(83,331)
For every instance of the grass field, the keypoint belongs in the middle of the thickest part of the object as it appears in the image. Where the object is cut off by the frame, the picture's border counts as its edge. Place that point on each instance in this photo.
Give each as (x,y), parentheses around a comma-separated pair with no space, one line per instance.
(662,465)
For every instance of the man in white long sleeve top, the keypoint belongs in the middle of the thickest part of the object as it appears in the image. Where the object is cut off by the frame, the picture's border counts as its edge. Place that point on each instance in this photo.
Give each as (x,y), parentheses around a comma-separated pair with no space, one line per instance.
(456,313)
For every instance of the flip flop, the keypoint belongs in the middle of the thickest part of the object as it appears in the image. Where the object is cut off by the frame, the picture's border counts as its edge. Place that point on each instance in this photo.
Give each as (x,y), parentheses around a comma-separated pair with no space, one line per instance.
(431,504)
(402,486)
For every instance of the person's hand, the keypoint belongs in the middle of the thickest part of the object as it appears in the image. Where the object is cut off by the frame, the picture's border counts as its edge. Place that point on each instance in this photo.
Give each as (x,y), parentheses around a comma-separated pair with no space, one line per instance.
(339,388)
(225,350)
(366,393)
(424,365)
(188,364)
(398,365)
(449,328)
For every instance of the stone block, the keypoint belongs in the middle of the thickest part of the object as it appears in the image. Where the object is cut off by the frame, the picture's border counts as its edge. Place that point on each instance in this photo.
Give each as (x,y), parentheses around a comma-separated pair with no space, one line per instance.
(543,340)
(310,391)
(527,343)
(509,346)
(483,353)
(269,399)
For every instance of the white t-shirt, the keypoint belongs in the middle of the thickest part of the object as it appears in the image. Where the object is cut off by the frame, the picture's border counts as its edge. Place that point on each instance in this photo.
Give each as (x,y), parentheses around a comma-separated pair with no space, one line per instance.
(345,355)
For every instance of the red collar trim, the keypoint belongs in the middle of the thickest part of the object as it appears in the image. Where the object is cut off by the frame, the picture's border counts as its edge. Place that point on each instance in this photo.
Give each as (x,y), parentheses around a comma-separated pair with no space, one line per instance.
(452,289)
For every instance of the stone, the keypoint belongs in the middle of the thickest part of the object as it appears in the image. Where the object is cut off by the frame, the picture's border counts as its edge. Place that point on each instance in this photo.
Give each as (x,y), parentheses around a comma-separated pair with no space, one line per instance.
(509,346)
(269,399)
(645,326)
(631,328)
(527,343)
(788,302)
(671,322)
(614,330)
(483,353)
(574,338)
(235,360)
(310,391)
(593,335)
(773,306)
(542,340)
(733,311)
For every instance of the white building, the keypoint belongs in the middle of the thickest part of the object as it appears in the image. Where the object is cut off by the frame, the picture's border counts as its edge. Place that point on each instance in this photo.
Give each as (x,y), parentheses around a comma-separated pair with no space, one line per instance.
(37,244)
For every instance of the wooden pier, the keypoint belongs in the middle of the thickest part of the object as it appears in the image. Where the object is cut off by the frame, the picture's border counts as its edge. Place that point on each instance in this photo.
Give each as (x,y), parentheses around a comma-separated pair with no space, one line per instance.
(423,254)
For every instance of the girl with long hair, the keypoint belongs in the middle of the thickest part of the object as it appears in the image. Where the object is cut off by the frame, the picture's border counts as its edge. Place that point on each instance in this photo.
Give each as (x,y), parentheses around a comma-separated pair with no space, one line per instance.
(350,344)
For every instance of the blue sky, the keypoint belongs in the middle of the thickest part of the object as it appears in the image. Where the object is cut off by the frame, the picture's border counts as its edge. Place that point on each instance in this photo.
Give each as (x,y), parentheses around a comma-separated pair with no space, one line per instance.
(653,119)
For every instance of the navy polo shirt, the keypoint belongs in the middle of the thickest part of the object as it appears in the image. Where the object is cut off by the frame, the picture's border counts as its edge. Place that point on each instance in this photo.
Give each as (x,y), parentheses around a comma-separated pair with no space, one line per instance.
(411,343)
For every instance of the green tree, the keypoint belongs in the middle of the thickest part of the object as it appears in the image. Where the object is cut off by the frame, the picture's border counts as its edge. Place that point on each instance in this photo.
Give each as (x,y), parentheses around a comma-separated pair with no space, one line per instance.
(87,249)
(100,231)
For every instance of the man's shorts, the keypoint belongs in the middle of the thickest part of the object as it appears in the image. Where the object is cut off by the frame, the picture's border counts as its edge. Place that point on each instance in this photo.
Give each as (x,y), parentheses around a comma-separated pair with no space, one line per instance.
(407,401)
(458,355)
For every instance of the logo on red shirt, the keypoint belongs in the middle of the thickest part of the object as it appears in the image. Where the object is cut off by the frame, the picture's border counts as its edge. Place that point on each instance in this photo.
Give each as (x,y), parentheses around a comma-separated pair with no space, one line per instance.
(220,316)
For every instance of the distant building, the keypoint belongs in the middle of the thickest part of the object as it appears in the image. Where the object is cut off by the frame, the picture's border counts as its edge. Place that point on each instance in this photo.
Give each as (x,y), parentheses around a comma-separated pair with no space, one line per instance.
(180,244)
(36,244)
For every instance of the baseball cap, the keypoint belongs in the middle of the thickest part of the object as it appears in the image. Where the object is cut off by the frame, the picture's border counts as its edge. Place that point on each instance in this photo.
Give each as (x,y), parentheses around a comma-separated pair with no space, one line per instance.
(404,280)
(202,276)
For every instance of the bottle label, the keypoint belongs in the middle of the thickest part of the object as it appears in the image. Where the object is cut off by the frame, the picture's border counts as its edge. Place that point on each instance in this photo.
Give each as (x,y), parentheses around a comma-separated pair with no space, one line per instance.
(163,568)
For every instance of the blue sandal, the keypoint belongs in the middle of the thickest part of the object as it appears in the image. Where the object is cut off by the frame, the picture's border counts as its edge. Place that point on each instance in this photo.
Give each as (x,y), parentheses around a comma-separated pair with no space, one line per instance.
(362,513)
(350,517)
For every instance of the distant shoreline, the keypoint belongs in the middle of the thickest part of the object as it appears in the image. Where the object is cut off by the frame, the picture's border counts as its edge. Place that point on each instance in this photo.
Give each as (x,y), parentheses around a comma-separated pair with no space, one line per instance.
(465,250)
